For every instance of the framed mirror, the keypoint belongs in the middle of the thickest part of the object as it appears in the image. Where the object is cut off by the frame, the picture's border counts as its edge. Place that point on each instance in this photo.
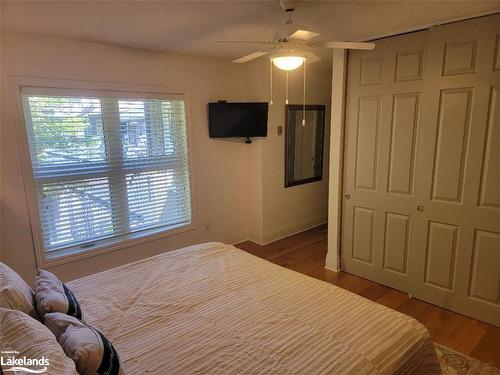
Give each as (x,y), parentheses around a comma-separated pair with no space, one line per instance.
(304,144)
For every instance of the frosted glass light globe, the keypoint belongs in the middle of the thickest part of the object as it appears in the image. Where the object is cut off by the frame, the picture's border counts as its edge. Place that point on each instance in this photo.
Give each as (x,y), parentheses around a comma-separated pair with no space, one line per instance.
(288,62)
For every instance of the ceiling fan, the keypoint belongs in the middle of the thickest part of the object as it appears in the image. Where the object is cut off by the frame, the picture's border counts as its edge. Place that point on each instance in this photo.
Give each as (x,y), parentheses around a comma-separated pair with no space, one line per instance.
(293,46)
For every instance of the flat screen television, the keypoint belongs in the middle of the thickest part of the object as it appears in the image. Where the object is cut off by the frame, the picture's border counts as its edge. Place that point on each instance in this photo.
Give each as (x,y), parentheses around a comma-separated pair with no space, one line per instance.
(228,120)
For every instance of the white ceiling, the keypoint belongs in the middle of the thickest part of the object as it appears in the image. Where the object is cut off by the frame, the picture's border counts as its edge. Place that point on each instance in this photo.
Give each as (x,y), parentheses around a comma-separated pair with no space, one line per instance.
(190,27)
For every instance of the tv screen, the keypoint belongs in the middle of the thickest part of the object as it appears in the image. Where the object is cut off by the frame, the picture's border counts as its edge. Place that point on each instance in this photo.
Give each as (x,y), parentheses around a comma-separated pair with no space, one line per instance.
(227,120)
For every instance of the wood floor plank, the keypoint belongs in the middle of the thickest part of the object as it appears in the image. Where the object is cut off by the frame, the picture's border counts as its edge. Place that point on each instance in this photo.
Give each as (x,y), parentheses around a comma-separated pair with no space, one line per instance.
(374,292)
(305,252)
(393,299)
(488,348)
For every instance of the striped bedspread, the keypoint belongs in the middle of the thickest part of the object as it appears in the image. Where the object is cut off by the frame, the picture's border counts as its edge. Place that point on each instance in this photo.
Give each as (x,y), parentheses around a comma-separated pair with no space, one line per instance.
(212,308)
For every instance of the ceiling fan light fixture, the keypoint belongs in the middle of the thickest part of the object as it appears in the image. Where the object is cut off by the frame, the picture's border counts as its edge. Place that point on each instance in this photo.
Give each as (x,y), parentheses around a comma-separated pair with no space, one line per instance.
(289,62)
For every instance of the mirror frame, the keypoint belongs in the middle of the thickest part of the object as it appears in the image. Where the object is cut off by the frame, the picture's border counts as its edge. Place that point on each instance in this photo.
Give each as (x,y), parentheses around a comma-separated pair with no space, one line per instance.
(289,108)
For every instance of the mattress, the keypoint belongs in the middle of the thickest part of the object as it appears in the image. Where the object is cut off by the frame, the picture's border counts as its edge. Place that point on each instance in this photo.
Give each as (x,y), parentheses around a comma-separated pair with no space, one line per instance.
(212,308)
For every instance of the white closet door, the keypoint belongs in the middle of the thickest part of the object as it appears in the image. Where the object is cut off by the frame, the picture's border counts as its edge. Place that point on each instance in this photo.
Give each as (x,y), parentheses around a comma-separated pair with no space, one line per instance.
(457,238)
(422,166)
(382,123)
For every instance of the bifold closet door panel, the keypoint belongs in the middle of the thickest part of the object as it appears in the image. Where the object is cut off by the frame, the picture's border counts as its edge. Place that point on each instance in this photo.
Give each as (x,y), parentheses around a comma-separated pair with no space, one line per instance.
(382,125)
(456,262)
(421,210)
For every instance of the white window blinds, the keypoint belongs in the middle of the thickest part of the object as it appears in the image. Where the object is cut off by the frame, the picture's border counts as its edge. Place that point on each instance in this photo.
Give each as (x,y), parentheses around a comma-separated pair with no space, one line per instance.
(106,167)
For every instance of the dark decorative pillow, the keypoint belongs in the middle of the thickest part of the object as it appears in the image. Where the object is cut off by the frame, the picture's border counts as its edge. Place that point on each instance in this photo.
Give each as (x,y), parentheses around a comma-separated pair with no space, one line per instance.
(92,352)
(51,295)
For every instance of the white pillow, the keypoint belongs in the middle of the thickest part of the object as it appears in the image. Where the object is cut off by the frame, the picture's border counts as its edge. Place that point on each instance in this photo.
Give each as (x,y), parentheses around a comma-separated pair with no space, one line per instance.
(52,295)
(92,352)
(15,294)
(22,336)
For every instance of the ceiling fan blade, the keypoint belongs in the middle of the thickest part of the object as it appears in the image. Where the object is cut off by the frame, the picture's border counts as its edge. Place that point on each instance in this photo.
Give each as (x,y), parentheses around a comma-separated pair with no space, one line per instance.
(242,41)
(311,57)
(349,45)
(304,35)
(250,57)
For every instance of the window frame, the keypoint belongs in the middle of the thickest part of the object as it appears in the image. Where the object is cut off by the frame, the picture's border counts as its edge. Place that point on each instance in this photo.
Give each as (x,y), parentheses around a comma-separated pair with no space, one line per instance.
(29,85)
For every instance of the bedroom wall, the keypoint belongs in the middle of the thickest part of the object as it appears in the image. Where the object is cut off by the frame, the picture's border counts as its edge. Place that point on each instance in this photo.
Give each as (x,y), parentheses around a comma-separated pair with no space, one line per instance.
(293,209)
(283,211)
(233,186)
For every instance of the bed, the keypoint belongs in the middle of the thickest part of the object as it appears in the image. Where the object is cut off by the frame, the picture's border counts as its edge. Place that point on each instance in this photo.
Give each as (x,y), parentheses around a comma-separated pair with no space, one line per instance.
(212,308)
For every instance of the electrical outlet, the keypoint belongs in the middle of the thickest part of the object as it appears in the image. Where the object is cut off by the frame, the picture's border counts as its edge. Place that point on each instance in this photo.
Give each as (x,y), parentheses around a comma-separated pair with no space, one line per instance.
(207,225)
(280,130)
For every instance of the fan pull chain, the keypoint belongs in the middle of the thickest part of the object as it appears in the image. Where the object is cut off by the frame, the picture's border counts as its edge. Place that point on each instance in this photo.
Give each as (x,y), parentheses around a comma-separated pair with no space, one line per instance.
(271,85)
(286,87)
(304,97)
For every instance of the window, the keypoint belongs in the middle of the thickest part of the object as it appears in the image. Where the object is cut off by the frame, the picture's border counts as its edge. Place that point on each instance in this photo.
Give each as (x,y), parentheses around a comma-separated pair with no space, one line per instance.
(106,168)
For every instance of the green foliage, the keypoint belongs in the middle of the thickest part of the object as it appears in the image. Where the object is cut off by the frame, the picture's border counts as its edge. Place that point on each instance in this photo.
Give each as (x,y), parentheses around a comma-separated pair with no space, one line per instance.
(59,128)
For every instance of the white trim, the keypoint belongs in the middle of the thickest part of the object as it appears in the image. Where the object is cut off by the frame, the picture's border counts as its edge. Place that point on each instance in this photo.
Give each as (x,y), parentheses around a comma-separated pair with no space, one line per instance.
(26,169)
(247,238)
(189,138)
(339,69)
(101,86)
(17,85)
(331,261)
(132,94)
(114,244)
(426,26)
(232,239)
(294,227)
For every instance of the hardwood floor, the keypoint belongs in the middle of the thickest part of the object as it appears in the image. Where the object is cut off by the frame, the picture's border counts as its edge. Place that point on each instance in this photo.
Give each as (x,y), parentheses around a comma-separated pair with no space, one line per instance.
(305,252)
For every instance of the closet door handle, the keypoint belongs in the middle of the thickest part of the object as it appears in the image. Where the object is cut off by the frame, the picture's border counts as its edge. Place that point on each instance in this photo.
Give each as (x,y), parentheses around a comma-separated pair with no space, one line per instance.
(420,208)
(347,196)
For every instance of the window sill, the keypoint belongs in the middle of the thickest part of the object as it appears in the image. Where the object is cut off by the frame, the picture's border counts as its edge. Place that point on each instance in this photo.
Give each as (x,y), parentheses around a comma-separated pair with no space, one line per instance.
(76,253)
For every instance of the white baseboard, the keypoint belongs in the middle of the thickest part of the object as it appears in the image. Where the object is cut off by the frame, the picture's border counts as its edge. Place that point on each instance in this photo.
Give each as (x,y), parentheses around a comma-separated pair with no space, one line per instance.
(236,239)
(331,263)
(294,227)
(228,238)
(276,233)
